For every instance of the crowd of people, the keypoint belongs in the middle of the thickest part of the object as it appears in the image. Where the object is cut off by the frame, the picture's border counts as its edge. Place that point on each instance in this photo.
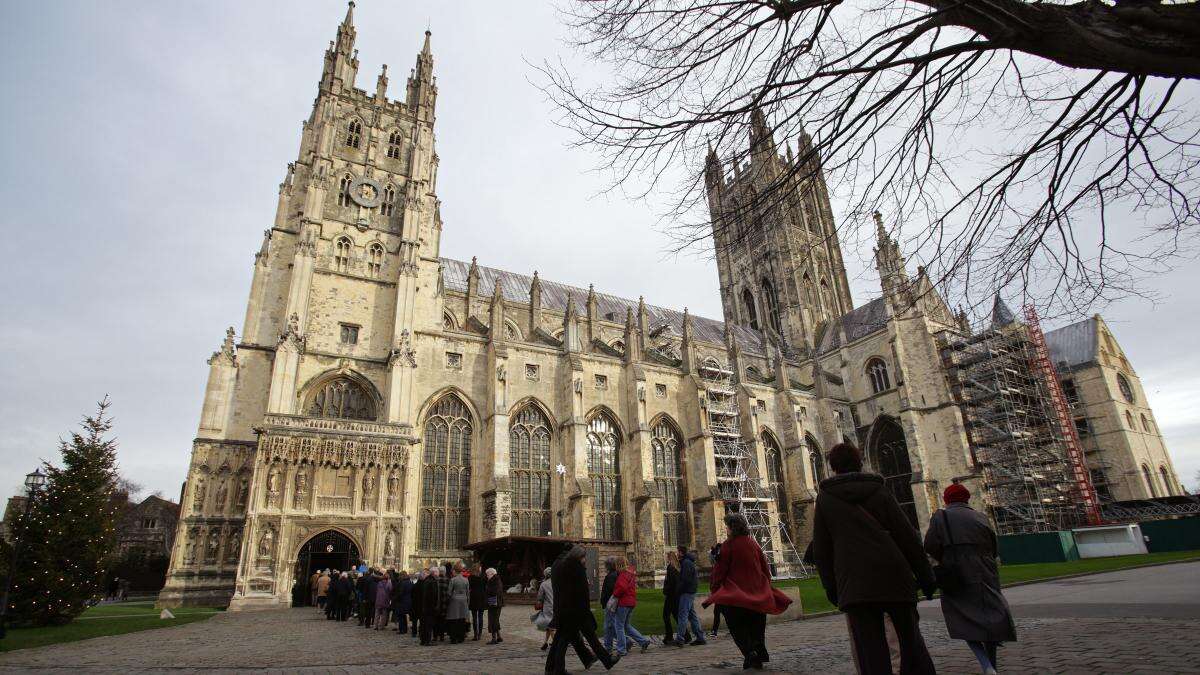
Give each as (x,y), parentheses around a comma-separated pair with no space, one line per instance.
(435,603)
(870,558)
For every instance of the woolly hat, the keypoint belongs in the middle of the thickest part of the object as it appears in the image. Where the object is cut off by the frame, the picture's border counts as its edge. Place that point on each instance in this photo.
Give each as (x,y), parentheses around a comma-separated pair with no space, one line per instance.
(956,492)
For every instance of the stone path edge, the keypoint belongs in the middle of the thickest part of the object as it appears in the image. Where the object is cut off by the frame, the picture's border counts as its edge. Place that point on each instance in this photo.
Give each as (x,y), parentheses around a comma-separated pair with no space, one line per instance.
(1028,582)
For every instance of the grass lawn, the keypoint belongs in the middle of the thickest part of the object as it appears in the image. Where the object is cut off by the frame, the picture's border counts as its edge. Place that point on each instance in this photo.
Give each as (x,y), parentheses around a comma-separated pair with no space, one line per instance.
(647,616)
(102,620)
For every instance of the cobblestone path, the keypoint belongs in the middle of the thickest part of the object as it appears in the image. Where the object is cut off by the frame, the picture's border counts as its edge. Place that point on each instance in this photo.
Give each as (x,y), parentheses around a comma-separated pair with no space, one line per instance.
(1136,621)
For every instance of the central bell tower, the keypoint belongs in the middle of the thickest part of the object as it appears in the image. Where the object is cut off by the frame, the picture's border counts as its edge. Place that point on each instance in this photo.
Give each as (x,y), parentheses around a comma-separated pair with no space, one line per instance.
(778,255)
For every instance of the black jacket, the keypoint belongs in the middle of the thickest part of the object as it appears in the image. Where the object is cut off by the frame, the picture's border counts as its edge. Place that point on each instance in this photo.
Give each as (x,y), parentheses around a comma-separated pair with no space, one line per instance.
(433,604)
(606,588)
(687,575)
(671,583)
(418,597)
(477,593)
(572,599)
(402,595)
(494,588)
(866,549)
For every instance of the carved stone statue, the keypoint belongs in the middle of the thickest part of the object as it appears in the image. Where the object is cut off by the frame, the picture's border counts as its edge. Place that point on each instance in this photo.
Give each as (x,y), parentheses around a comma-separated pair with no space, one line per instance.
(273,486)
(266,544)
(301,489)
(189,547)
(393,490)
(243,492)
(368,490)
(234,547)
(222,494)
(214,544)
(198,495)
(389,546)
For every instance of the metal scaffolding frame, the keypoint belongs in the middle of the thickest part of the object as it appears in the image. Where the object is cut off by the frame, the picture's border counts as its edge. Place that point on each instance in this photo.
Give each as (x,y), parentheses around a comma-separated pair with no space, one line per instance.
(1019,441)
(738,474)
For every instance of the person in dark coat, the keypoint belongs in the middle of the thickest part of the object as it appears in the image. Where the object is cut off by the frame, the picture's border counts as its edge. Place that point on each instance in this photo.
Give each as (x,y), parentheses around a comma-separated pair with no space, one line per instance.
(418,601)
(670,591)
(368,587)
(402,605)
(975,610)
(573,621)
(871,563)
(432,606)
(443,580)
(689,580)
(714,554)
(606,589)
(494,590)
(477,599)
(741,583)
(345,596)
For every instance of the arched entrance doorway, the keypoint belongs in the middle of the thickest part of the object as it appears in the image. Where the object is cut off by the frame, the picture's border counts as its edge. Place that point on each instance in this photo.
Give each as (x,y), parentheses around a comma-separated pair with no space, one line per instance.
(329,549)
(889,456)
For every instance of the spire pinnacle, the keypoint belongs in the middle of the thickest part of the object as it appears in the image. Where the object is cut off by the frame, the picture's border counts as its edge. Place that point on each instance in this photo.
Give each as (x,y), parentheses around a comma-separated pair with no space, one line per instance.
(424,50)
(349,20)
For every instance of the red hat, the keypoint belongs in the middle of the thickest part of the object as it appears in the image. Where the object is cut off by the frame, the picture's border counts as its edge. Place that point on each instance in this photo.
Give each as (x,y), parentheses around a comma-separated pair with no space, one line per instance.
(957,492)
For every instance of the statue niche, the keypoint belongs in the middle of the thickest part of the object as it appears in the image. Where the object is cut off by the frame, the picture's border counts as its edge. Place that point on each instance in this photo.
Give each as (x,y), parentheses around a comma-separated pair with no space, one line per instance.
(301,489)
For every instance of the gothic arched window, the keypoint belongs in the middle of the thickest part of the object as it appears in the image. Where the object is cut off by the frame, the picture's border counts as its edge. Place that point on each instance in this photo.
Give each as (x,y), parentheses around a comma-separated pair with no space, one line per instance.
(877,373)
(388,203)
(341,254)
(1149,481)
(1146,424)
(827,298)
(775,482)
(1123,385)
(446,476)
(1168,484)
(342,397)
(394,142)
(604,472)
(816,464)
(810,295)
(375,260)
(1129,420)
(751,313)
(354,133)
(772,306)
(529,448)
(666,448)
(344,190)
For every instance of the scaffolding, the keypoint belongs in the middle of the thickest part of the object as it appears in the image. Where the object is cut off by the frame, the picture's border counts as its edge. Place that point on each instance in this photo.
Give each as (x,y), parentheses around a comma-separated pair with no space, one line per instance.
(1020,431)
(738,474)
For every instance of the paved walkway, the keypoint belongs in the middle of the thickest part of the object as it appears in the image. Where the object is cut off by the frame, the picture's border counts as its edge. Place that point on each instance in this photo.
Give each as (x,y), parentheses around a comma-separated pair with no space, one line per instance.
(1133,621)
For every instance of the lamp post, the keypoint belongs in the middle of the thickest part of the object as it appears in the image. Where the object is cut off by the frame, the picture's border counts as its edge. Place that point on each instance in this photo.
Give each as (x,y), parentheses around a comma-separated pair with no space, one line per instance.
(34,483)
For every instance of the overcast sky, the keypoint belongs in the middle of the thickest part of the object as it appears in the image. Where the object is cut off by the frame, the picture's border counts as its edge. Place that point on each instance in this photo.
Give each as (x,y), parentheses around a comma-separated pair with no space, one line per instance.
(143,144)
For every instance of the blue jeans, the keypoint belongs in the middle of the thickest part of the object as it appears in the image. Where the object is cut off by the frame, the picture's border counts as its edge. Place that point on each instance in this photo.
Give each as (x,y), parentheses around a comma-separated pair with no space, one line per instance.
(687,616)
(624,628)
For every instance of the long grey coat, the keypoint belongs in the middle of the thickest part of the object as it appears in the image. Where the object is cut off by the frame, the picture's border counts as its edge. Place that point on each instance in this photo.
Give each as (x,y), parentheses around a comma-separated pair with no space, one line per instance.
(545,595)
(978,611)
(460,592)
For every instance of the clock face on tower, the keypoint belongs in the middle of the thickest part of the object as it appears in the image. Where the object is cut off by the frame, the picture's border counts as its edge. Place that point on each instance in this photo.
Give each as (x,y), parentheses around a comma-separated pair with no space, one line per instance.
(366,192)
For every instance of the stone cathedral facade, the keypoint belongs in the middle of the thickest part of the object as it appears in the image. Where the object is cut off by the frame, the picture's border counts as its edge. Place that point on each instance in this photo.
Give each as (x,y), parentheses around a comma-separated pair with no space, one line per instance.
(404,404)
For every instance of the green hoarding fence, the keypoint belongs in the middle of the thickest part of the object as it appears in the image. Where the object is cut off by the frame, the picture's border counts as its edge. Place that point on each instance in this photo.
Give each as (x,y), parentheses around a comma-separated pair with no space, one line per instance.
(1037,547)
(1182,534)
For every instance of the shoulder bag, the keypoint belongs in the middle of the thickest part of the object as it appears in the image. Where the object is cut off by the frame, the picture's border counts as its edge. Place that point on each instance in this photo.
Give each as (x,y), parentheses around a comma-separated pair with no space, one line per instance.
(949,577)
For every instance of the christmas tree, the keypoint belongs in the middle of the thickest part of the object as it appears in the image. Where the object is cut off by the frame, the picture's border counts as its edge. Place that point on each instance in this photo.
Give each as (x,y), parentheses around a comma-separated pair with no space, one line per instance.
(68,537)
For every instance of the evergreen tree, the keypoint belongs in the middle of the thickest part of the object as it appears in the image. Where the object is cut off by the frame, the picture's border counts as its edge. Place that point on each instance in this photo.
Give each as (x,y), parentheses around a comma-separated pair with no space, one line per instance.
(69,535)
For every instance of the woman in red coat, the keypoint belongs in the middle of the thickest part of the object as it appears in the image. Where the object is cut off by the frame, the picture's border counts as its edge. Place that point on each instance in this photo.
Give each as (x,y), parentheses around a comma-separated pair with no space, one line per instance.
(741,584)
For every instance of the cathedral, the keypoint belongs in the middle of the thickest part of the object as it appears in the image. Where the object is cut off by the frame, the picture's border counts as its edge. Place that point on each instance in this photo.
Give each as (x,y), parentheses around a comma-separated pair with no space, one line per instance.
(385,404)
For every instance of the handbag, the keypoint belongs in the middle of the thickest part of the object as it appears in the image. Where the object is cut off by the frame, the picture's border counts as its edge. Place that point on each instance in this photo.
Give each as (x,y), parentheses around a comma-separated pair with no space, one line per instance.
(949,577)
(611,605)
